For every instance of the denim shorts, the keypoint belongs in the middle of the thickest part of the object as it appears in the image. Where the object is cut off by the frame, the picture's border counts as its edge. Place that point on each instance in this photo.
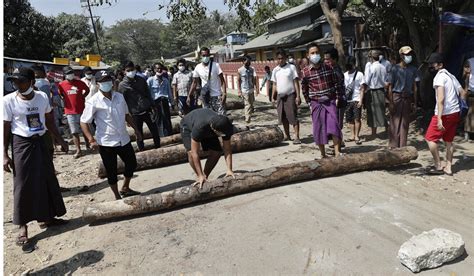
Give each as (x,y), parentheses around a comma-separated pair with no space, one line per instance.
(74,121)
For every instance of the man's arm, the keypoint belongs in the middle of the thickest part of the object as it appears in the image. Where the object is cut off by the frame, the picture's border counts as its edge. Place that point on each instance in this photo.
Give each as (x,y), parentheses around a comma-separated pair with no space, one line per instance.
(275,93)
(296,83)
(54,131)
(7,162)
(415,94)
(390,97)
(228,156)
(193,88)
(440,105)
(170,94)
(257,91)
(224,88)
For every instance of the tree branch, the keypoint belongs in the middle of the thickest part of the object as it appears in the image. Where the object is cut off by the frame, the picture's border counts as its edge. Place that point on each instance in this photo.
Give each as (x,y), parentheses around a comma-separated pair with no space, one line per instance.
(341,6)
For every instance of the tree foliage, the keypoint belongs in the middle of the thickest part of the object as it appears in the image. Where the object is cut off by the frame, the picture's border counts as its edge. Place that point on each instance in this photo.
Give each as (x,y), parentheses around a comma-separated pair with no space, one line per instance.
(27,33)
(73,36)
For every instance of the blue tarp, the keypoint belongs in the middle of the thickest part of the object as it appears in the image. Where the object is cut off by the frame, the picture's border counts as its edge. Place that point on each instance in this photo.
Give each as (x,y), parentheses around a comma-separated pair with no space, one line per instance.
(465,20)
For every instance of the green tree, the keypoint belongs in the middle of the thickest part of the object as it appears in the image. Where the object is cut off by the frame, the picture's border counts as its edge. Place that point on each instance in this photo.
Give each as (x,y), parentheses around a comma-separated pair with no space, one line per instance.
(27,33)
(73,36)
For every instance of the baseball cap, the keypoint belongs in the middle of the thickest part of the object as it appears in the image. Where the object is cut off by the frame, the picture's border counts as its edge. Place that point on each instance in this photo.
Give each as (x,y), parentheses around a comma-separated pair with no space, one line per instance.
(67,70)
(405,50)
(436,58)
(23,74)
(222,124)
(87,69)
(103,75)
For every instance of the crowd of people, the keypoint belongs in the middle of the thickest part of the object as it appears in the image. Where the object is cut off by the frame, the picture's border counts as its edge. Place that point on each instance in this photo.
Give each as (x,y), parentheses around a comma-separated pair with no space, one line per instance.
(100,105)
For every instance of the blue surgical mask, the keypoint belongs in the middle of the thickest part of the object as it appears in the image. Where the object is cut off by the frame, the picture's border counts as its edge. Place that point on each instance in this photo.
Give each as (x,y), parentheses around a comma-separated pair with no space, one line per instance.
(315,58)
(105,86)
(205,59)
(407,59)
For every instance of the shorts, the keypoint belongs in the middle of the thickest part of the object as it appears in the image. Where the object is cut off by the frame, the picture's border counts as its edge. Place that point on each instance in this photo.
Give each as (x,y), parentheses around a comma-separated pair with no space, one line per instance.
(74,121)
(353,113)
(450,123)
(287,110)
(206,144)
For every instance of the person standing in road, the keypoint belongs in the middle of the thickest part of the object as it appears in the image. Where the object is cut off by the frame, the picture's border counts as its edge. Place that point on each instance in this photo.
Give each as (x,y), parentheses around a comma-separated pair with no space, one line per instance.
(182,81)
(27,114)
(140,104)
(286,91)
(73,93)
(247,85)
(110,112)
(162,96)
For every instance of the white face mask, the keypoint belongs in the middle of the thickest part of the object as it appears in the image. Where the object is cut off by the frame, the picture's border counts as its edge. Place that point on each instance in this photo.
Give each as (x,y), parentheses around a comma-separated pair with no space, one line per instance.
(89,76)
(159,74)
(380,58)
(205,60)
(27,92)
(131,74)
(70,76)
(407,59)
(291,60)
(105,86)
(315,58)
(181,68)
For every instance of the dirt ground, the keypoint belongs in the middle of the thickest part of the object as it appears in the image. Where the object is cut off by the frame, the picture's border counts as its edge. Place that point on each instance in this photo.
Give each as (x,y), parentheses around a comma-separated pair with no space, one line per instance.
(351,224)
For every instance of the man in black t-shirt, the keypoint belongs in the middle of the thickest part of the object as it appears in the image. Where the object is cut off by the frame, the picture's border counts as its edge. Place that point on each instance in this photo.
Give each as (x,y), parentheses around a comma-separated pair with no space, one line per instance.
(204,127)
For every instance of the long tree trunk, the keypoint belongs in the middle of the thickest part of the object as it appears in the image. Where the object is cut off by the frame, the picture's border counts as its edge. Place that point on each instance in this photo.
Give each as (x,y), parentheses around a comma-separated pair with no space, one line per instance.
(251,181)
(147,133)
(244,141)
(231,105)
(334,17)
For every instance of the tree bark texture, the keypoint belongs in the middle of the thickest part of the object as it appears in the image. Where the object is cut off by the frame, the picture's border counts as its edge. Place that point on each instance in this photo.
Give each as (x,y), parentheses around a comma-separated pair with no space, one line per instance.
(232,105)
(244,141)
(334,19)
(147,133)
(251,181)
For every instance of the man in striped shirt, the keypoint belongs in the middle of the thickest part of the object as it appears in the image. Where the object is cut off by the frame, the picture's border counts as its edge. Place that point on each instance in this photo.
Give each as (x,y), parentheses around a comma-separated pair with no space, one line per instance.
(323,91)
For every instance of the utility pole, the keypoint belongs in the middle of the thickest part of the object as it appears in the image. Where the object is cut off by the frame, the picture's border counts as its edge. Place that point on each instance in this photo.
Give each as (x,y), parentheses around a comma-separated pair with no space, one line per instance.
(93,26)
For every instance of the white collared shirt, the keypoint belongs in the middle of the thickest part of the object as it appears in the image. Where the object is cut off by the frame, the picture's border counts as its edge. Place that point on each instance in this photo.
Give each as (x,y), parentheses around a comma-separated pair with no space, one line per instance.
(376,76)
(109,116)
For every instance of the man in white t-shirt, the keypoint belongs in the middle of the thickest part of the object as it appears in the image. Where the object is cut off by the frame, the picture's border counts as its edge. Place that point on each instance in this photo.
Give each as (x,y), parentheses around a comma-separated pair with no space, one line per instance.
(445,121)
(89,80)
(286,91)
(27,115)
(354,81)
(213,87)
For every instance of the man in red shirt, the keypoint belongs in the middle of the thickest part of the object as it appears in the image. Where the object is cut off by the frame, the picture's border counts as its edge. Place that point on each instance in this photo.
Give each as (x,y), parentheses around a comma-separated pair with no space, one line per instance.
(74,92)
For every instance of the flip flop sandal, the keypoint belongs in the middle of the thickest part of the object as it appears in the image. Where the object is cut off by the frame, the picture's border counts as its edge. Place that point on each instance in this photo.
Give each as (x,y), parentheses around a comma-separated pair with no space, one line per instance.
(296,142)
(128,193)
(433,171)
(350,140)
(77,155)
(358,142)
(448,174)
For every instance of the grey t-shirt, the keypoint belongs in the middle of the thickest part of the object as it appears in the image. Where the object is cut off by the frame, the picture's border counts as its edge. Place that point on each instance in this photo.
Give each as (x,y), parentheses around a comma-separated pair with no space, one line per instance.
(247,76)
(198,122)
(402,79)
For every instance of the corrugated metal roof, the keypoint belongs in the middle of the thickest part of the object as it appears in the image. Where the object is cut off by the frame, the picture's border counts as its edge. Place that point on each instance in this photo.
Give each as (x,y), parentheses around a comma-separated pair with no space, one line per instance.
(278,39)
(291,12)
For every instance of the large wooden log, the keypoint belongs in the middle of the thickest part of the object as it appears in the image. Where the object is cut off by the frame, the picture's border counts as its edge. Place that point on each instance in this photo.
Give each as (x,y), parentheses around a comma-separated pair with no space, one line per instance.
(232,105)
(251,181)
(176,139)
(147,133)
(243,141)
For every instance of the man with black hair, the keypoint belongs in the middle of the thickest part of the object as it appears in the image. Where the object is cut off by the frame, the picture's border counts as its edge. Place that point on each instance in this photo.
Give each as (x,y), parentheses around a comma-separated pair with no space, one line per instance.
(110,112)
(247,86)
(286,92)
(202,128)
(160,89)
(74,93)
(182,81)
(375,80)
(213,87)
(139,72)
(89,80)
(140,104)
(267,82)
(40,80)
(27,115)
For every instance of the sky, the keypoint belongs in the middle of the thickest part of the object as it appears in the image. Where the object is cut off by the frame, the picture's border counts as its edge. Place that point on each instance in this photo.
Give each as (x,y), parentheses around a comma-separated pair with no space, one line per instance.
(120,9)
